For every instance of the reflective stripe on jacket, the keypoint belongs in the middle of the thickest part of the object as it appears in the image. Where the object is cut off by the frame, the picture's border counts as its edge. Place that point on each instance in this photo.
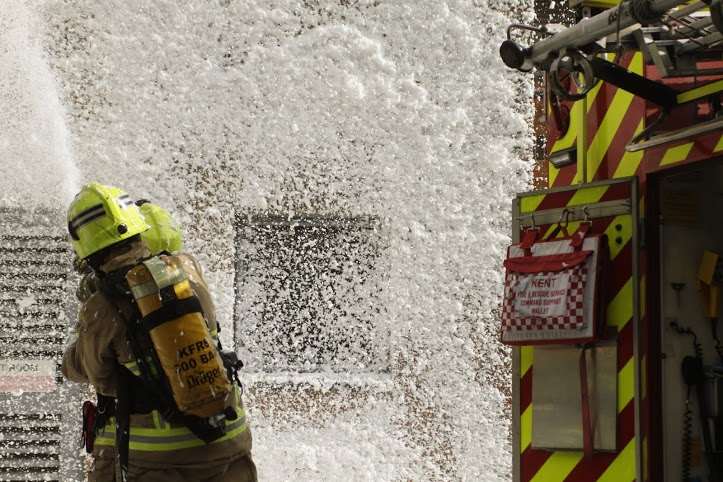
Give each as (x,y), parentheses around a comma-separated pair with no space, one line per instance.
(165,437)
(162,436)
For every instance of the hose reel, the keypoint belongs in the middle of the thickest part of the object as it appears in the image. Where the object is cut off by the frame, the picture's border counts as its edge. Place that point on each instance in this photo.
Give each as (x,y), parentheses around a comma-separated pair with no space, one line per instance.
(572,69)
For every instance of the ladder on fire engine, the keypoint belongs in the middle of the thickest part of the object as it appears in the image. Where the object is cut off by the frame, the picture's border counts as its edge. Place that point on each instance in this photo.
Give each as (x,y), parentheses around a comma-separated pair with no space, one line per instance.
(681,34)
(677,36)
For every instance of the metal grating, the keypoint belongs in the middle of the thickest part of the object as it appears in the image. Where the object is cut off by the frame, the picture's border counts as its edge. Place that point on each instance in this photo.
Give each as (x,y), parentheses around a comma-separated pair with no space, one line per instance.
(33,292)
(308,293)
(39,415)
(30,446)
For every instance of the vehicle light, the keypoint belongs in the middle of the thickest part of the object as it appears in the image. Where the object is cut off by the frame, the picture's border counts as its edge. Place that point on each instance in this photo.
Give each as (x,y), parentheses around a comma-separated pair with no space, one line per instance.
(563,158)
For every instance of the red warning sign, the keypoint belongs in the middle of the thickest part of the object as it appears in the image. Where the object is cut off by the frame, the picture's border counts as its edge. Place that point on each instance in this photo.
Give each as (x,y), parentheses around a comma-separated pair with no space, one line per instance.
(543,294)
(551,291)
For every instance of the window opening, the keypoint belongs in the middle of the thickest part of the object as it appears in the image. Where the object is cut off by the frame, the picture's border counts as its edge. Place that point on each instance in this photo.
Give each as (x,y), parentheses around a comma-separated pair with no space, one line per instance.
(308,293)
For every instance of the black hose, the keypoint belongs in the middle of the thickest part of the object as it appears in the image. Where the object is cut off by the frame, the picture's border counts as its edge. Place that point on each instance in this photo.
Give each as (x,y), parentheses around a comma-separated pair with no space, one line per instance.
(686,453)
(692,375)
(714,330)
(684,330)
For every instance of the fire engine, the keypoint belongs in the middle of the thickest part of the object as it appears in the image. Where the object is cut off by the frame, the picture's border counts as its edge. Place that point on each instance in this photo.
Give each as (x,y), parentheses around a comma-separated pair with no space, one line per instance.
(633,151)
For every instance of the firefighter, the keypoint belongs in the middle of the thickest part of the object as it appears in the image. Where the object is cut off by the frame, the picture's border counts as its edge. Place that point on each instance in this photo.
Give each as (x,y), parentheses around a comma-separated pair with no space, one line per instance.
(163,236)
(106,228)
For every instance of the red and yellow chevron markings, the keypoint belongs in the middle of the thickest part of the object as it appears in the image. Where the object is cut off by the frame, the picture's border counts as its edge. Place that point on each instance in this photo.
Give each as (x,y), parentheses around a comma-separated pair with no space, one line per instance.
(611,117)
(545,466)
(614,116)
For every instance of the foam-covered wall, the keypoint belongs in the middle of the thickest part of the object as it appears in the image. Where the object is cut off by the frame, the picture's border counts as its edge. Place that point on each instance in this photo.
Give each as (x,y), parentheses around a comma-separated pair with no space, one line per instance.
(396,109)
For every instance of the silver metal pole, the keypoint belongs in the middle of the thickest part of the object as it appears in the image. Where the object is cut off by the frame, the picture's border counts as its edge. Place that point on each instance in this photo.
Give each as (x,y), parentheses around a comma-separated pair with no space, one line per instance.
(679,135)
(593,29)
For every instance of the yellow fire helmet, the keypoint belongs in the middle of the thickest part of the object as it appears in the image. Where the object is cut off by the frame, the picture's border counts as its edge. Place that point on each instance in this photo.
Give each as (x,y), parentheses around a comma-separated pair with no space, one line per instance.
(101,216)
(164,234)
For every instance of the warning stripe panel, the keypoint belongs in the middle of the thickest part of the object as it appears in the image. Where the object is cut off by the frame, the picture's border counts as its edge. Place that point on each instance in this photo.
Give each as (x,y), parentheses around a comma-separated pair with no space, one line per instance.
(628,126)
(541,465)
(612,117)
(594,467)
(613,130)
(684,152)
(620,190)
(625,345)
(558,466)
(541,201)
(525,429)
(620,233)
(626,427)
(590,469)
(526,390)
(626,384)
(587,195)
(531,461)
(565,176)
(556,200)
(526,357)
(699,92)
(616,279)
(598,100)
(620,309)
(630,161)
(622,469)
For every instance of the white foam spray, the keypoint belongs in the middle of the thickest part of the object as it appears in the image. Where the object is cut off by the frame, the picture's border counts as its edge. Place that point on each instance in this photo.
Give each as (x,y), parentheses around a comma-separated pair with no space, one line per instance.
(396,109)
(35,150)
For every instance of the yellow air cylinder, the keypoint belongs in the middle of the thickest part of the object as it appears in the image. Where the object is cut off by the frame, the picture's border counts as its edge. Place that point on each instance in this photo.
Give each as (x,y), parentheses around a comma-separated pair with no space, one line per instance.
(184,346)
